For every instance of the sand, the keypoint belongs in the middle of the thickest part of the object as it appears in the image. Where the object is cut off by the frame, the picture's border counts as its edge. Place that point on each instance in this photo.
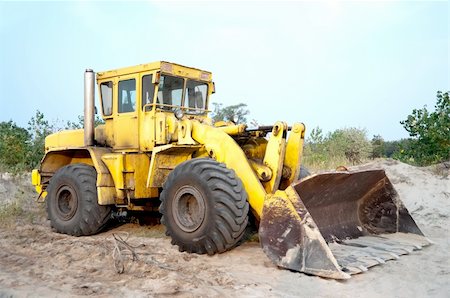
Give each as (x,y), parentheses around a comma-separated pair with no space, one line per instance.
(34,261)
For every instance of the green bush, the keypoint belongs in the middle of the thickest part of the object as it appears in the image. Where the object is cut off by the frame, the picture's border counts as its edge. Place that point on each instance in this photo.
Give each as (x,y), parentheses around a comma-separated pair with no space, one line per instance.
(14,147)
(39,128)
(341,147)
(21,149)
(429,132)
(352,143)
(378,147)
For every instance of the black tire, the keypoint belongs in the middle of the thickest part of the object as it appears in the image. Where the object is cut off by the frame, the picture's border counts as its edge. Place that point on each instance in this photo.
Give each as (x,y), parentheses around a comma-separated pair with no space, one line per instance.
(204,207)
(303,173)
(72,205)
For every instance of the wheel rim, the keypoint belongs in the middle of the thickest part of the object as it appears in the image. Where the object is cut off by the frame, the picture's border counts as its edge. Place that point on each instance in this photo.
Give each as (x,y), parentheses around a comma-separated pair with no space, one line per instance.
(188,208)
(66,202)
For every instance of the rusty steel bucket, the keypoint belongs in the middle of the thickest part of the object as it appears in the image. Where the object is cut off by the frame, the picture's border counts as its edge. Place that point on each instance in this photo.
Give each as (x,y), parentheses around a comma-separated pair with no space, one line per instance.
(338,223)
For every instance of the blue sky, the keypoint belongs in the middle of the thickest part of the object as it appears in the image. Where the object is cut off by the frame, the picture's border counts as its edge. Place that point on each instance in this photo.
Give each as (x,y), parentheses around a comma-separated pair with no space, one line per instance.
(328,64)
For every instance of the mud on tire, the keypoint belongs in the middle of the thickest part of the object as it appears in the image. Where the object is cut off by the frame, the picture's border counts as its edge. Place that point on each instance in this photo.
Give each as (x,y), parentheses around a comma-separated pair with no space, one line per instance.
(204,207)
(72,205)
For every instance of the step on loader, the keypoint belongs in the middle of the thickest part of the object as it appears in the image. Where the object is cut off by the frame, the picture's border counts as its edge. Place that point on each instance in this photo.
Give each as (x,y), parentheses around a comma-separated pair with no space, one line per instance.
(159,151)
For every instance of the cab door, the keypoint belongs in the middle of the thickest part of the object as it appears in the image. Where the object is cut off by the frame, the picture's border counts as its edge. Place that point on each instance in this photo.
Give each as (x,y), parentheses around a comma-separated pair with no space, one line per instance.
(126,128)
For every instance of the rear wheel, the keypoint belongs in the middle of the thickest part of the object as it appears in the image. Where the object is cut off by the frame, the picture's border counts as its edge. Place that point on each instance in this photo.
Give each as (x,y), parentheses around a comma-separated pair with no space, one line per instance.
(204,207)
(72,204)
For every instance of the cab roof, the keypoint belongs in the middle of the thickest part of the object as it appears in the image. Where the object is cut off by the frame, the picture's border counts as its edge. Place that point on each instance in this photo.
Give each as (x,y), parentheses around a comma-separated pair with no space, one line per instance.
(163,66)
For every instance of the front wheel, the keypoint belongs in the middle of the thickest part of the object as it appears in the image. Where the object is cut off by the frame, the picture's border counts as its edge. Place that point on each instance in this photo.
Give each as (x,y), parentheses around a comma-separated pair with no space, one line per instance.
(72,204)
(204,207)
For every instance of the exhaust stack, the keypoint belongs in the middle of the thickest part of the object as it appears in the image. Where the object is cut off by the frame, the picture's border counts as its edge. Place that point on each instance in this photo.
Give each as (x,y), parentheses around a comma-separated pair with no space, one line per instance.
(89,107)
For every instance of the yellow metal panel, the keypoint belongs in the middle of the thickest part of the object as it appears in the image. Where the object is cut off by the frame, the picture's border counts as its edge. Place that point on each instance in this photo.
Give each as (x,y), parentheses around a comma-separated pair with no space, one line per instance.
(114,162)
(106,195)
(65,139)
(128,70)
(104,177)
(274,156)
(172,127)
(255,148)
(137,167)
(109,132)
(129,172)
(56,159)
(160,129)
(125,125)
(126,132)
(263,172)
(233,130)
(35,177)
(294,150)
(185,132)
(164,159)
(147,136)
(36,181)
(167,67)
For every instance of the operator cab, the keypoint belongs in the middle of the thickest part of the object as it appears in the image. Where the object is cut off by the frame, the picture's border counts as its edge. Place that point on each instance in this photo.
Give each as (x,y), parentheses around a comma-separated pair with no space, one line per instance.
(138,101)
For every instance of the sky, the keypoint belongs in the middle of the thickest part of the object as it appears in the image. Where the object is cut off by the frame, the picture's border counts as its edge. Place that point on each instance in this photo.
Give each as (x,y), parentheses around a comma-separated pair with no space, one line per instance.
(335,64)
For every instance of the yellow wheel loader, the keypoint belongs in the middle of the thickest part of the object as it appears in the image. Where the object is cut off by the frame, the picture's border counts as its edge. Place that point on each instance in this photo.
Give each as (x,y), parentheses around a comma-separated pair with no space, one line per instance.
(158,150)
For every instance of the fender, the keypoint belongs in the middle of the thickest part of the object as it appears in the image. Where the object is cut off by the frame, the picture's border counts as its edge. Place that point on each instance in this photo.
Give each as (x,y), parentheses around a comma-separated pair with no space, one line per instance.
(56,159)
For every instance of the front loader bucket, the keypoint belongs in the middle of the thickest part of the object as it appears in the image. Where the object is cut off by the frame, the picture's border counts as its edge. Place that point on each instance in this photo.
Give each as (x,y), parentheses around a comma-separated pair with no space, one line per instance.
(338,223)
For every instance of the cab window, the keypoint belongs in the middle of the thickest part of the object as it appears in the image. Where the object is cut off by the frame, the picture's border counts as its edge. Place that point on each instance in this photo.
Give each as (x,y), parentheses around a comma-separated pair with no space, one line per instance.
(170,91)
(106,94)
(127,96)
(195,97)
(148,90)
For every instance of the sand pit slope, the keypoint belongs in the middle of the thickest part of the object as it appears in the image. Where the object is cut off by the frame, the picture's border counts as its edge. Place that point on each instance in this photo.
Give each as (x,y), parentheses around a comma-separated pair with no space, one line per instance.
(34,261)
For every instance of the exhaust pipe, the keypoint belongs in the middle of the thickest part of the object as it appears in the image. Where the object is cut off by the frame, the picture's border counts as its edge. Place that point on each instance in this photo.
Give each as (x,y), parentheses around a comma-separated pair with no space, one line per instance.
(89,107)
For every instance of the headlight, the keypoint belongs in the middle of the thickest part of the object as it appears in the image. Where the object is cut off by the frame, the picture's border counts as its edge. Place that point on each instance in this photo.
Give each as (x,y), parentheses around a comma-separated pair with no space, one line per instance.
(178,113)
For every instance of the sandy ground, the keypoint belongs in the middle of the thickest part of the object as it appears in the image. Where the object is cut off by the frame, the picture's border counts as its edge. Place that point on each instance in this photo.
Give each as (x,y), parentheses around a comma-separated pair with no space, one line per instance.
(34,261)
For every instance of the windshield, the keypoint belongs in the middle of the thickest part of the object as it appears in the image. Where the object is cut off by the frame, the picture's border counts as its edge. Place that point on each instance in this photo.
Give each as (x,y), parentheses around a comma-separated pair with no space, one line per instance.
(175,92)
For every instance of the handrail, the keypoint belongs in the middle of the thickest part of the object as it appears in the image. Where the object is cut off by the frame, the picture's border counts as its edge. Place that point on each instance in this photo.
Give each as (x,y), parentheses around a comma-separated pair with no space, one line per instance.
(174,106)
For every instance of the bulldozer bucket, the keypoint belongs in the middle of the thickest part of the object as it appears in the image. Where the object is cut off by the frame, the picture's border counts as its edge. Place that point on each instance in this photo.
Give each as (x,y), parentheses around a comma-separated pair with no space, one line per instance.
(337,224)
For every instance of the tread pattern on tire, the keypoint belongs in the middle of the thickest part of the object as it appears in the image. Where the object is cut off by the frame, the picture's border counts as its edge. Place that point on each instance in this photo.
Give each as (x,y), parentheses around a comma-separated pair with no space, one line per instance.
(90,217)
(229,201)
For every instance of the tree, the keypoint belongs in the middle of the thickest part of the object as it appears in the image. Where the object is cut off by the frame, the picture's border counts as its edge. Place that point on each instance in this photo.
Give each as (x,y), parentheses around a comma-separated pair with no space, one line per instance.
(38,128)
(378,146)
(316,140)
(14,146)
(316,136)
(429,132)
(234,113)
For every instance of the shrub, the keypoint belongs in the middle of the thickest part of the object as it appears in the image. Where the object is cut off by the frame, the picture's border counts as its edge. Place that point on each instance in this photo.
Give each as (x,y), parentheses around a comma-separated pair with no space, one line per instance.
(39,128)
(21,149)
(341,147)
(378,147)
(352,143)
(429,132)
(14,146)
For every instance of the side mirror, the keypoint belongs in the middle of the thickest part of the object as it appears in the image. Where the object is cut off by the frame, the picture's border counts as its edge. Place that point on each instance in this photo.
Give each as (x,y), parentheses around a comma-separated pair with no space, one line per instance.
(213,88)
(95,110)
